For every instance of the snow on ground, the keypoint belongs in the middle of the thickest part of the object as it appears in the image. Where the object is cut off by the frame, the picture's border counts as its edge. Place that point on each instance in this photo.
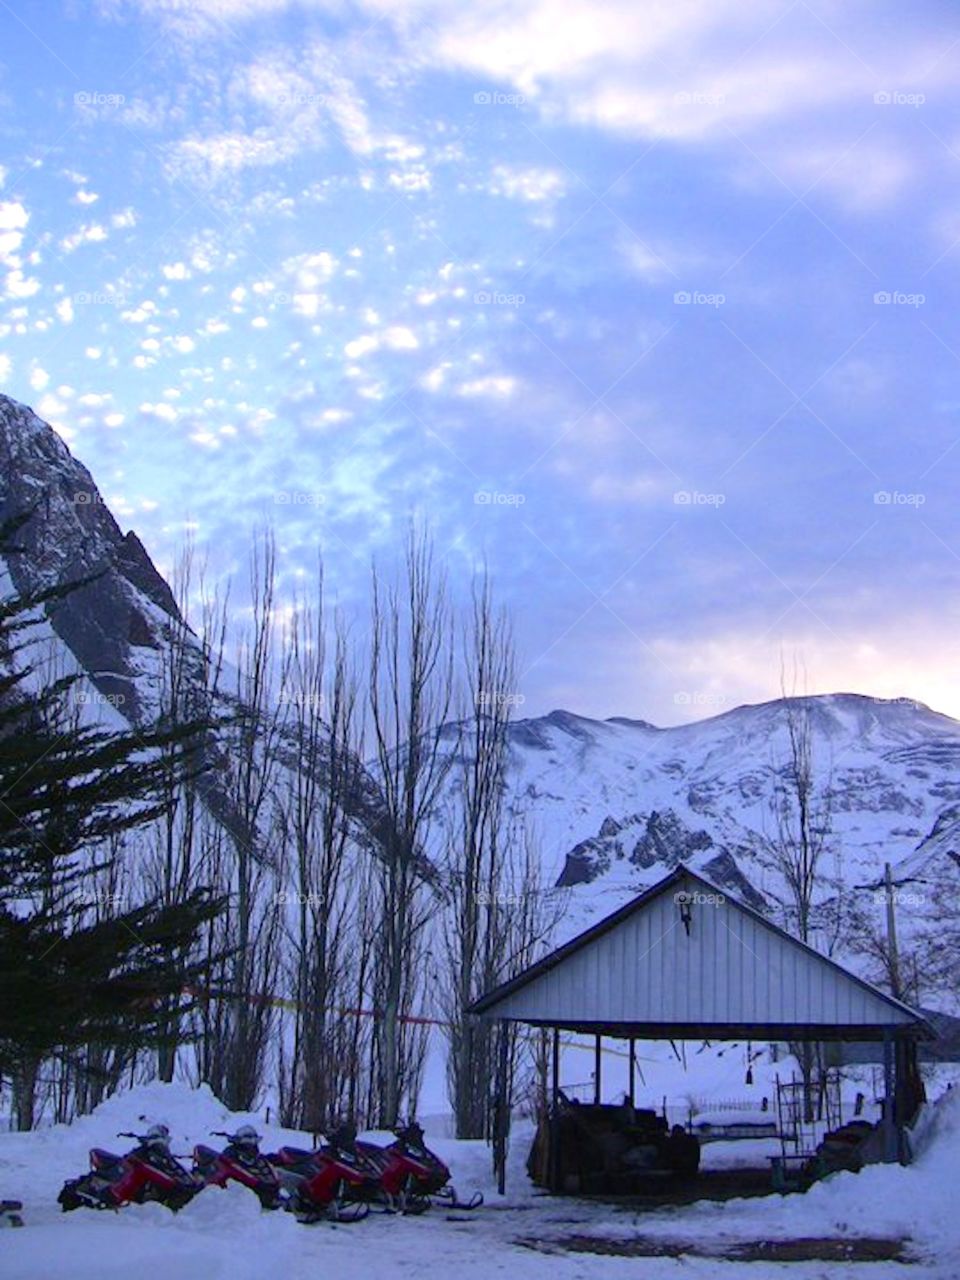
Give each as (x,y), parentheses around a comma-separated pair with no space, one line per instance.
(224,1235)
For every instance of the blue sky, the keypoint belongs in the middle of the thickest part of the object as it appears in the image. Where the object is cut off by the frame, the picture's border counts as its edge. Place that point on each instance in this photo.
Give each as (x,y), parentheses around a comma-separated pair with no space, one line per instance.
(652,306)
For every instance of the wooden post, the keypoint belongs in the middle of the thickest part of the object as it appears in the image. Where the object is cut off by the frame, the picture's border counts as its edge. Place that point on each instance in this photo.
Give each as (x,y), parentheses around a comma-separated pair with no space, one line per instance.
(555,1115)
(502,1111)
(597,1051)
(633,1063)
(889,1088)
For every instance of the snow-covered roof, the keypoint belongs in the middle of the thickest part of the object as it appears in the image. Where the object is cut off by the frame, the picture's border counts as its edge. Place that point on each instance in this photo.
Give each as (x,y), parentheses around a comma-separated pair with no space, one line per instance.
(730,972)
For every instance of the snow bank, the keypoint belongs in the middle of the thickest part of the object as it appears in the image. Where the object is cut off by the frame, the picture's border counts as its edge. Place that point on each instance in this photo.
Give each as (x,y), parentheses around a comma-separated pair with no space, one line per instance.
(919,1202)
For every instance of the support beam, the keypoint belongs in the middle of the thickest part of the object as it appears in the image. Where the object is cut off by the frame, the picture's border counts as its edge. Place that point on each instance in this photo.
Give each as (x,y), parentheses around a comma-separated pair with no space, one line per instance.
(633,1073)
(502,1109)
(555,1114)
(597,1069)
(890,1152)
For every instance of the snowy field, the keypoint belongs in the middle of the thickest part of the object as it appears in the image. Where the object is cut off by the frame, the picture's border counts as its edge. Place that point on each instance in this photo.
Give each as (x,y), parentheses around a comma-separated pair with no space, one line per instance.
(223,1235)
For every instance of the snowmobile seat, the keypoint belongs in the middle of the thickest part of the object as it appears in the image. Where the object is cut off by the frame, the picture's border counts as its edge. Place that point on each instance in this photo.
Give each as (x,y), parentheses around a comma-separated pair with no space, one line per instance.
(296,1155)
(204,1154)
(102,1158)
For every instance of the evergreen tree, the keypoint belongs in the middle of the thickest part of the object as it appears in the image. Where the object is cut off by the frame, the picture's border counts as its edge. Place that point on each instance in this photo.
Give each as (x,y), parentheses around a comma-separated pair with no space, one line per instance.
(77,967)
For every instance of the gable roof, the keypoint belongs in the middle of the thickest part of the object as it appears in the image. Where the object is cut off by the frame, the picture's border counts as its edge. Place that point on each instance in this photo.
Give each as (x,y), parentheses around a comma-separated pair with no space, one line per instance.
(639,973)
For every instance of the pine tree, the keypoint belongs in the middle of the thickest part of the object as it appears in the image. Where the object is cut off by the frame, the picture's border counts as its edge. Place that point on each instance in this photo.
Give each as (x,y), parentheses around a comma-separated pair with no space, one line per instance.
(75,970)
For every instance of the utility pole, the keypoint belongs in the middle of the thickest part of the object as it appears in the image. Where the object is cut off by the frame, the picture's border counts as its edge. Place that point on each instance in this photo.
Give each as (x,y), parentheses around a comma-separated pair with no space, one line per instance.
(894,959)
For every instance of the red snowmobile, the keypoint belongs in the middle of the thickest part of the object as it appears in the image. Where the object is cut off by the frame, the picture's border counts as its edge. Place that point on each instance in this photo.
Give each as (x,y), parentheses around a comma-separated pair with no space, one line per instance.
(239,1161)
(411,1176)
(147,1173)
(333,1182)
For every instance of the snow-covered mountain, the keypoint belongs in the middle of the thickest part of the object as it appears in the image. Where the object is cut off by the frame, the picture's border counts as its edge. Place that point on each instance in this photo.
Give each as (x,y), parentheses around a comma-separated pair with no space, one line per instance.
(615,804)
(113,627)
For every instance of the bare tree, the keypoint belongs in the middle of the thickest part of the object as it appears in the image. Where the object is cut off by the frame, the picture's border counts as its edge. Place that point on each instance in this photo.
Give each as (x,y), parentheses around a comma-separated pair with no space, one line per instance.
(252,922)
(172,864)
(410,696)
(476,863)
(323,777)
(935,952)
(795,853)
(802,815)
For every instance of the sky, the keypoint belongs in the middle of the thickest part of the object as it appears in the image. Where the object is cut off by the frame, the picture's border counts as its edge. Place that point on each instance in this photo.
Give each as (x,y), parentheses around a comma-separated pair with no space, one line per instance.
(651,308)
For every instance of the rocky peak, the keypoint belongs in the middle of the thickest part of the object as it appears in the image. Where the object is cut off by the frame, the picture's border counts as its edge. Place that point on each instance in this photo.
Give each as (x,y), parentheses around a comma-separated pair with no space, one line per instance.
(71,536)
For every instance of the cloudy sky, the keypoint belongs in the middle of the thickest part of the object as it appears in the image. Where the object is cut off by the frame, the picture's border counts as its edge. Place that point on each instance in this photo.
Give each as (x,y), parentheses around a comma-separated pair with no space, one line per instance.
(653,306)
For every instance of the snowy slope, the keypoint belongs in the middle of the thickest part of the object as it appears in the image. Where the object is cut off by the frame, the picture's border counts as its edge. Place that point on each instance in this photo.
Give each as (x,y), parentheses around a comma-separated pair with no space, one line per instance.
(615,804)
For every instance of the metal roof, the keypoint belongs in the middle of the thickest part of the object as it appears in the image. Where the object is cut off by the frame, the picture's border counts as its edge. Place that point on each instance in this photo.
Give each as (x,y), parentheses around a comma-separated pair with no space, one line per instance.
(640,973)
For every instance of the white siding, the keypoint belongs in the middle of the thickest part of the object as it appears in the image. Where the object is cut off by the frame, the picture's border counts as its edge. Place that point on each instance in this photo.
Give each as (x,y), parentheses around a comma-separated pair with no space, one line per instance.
(730,969)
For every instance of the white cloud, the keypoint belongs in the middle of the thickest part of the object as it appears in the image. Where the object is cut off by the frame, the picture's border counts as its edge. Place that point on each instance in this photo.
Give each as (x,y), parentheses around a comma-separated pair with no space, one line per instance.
(664,68)
(5,367)
(64,309)
(90,233)
(165,412)
(399,338)
(361,346)
(418,179)
(137,315)
(685,69)
(214,158)
(394,338)
(39,378)
(13,216)
(53,410)
(309,271)
(176,271)
(532,184)
(308,304)
(491,385)
(434,379)
(84,197)
(20,286)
